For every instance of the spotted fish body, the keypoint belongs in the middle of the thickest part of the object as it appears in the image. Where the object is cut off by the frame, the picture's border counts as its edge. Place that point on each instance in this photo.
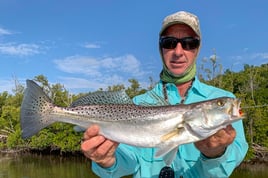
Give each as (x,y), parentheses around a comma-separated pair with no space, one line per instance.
(164,127)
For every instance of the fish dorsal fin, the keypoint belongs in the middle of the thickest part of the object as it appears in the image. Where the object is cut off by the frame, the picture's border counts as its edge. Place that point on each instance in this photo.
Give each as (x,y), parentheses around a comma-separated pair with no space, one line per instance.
(158,100)
(103,97)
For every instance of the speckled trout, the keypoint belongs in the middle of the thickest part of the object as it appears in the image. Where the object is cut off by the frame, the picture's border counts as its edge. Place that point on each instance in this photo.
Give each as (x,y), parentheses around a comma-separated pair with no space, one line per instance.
(164,127)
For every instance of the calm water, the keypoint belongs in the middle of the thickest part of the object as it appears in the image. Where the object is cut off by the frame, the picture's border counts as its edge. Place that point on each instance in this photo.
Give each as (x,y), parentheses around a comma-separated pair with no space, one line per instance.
(30,166)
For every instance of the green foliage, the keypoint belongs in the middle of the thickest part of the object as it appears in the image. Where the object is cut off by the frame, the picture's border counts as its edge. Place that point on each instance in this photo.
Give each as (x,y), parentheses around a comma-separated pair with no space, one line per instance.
(43,140)
(250,85)
(250,154)
(59,136)
(14,140)
(134,89)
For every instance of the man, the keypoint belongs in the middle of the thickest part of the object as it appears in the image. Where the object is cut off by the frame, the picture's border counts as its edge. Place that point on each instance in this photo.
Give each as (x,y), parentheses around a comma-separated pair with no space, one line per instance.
(216,156)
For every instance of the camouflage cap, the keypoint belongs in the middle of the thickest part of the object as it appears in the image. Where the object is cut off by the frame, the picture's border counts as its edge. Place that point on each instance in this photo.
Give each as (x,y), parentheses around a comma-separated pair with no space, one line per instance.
(181,17)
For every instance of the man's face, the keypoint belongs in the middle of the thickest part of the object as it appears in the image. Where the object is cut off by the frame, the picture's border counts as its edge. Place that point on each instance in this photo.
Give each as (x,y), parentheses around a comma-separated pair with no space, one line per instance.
(178,60)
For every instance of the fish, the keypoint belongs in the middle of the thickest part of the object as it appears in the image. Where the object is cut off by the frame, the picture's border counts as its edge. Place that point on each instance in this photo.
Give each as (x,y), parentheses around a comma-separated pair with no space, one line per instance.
(164,127)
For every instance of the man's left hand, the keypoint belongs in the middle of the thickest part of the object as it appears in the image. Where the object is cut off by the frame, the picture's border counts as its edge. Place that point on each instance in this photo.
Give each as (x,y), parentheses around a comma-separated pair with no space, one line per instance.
(215,145)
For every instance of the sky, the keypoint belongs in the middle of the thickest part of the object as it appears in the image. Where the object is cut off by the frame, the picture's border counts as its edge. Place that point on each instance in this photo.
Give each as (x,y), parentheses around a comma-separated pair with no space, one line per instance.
(91,44)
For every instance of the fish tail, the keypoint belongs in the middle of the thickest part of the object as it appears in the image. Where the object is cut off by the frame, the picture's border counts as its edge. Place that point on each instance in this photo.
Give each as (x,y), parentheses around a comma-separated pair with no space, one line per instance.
(35,110)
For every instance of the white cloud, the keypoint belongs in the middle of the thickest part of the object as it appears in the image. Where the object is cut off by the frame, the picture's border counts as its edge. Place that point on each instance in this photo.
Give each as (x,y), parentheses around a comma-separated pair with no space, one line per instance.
(126,64)
(5,32)
(256,59)
(79,65)
(96,73)
(250,57)
(91,84)
(92,45)
(79,83)
(16,49)
(245,50)
(7,85)
(260,55)
(19,49)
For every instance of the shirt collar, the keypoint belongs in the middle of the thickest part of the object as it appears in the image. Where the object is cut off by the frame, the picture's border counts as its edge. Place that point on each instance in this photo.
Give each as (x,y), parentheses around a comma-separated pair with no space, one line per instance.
(197,87)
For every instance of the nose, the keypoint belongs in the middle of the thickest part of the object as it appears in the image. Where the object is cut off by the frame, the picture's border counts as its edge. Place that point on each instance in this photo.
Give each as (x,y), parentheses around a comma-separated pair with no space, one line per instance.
(178,50)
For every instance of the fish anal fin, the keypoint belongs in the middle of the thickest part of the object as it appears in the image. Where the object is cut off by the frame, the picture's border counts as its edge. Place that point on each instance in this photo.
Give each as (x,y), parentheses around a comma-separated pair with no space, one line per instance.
(168,152)
(170,156)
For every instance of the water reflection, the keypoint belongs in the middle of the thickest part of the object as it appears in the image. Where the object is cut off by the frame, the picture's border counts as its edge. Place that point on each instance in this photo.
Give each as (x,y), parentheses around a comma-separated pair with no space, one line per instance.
(251,171)
(33,166)
(36,166)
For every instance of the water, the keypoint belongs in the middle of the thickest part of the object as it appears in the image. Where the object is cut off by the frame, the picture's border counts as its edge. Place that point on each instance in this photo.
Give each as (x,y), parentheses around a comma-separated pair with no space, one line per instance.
(251,171)
(34,166)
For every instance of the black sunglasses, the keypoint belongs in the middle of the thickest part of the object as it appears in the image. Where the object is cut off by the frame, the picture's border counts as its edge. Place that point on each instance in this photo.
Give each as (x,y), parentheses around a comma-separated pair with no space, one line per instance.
(187,43)
(167,172)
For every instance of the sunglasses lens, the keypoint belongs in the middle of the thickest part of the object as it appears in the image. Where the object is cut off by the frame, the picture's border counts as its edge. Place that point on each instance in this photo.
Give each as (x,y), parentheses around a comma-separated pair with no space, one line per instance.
(187,43)
(168,42)
(166,172)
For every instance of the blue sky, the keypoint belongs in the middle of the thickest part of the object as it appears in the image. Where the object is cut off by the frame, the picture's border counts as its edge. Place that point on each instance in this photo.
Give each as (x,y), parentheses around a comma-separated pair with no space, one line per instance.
(90,44)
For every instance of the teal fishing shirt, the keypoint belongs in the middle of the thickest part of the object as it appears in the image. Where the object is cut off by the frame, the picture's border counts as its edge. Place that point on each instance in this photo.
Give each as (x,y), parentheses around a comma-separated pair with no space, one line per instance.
(189,162)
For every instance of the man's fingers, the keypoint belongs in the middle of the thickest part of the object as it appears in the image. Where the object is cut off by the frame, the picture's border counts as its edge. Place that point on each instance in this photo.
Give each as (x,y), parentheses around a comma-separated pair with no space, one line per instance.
(91,132)
(106,149)
(97,148)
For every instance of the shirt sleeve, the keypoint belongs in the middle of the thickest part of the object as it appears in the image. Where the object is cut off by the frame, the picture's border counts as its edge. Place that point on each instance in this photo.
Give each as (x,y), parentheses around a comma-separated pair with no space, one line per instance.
(126,163)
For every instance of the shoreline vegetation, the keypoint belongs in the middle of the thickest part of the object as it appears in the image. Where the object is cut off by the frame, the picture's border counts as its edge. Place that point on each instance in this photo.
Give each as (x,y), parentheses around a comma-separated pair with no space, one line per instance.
(78,153)
(60,139)
(22,158)
(245,169)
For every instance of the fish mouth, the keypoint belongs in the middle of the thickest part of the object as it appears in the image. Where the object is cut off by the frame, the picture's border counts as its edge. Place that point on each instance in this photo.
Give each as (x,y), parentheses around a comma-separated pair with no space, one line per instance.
(239,110)
(241,114)
(235,109)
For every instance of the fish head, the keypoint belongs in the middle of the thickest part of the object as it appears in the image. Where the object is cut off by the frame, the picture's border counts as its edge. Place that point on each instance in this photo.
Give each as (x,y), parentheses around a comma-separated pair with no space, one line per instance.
(222,110)
(207,117)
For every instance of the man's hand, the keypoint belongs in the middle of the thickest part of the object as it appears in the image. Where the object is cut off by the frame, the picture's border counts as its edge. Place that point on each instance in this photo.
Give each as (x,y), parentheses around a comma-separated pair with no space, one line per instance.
(215,145)
(98,148)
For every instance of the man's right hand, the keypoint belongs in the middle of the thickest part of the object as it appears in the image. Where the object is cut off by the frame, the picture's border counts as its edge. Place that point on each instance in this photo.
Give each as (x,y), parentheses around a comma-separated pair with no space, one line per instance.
(97,148)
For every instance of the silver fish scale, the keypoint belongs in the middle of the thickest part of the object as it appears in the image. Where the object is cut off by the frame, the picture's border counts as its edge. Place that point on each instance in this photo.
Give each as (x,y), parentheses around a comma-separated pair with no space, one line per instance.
(117,112)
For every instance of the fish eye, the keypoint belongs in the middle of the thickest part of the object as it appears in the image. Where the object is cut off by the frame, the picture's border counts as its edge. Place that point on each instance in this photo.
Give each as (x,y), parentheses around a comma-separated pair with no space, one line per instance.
(220,103)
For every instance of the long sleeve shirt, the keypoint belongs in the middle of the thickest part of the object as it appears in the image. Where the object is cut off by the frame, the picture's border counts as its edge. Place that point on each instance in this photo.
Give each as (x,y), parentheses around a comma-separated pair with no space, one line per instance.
(189,162)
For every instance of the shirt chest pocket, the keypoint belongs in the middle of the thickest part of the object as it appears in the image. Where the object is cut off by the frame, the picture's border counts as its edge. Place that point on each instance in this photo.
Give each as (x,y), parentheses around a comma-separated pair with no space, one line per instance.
(150,166)
(189,153)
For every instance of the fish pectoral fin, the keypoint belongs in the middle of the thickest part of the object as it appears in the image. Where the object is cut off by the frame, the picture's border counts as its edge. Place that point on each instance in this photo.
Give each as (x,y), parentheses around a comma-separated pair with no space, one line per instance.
(78,128)
(168,152)
(171,134)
